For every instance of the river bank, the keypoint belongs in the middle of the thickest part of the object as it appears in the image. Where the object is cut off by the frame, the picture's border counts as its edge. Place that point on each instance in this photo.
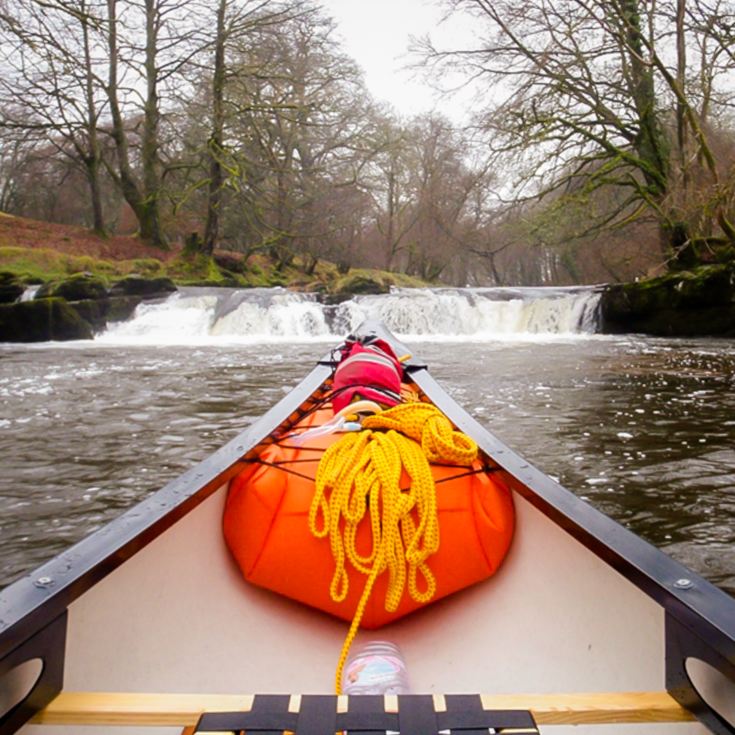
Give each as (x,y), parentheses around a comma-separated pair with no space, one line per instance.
(40,252)
(90,282)
(86,282)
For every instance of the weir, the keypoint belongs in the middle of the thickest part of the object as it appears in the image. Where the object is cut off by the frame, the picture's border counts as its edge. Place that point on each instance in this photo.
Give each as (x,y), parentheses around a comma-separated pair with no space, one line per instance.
(278,314)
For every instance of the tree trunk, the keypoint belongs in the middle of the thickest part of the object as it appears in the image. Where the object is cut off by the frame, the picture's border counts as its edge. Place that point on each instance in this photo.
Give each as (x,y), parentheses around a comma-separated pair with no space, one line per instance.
(143,205)
(92,168)
(651,144)
(151,221)
(281,249)
(390,234)
(681,65)
(216,177)
(94,159)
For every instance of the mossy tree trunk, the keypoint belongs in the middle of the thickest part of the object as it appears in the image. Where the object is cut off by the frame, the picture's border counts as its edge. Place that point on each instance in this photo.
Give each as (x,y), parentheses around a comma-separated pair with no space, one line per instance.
(143,198)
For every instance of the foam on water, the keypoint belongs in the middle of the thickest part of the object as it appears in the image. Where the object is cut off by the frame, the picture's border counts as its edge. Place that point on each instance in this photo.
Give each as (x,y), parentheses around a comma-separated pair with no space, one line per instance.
(178,319)
(287,315)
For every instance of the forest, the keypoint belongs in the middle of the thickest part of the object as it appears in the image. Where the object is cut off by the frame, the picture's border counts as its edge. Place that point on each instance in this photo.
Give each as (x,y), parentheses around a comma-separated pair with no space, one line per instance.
(600,144)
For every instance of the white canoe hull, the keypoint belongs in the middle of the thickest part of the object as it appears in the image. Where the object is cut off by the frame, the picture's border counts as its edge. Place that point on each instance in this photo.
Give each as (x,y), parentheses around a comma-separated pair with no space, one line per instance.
(178,617)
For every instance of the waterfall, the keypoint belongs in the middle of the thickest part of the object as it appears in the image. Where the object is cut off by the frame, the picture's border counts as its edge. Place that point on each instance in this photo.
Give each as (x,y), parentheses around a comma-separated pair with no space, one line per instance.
(259,315)
(30,293)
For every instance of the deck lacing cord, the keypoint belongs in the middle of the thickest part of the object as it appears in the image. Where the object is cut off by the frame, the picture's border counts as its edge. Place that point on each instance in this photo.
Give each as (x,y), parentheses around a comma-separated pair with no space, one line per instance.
(363,470)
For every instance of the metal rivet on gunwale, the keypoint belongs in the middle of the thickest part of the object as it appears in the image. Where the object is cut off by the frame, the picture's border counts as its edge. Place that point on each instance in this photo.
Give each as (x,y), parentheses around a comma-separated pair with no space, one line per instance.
(43,582)
(683,584)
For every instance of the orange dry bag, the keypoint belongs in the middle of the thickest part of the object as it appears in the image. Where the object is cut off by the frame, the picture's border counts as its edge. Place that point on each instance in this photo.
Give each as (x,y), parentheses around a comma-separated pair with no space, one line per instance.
(266,525)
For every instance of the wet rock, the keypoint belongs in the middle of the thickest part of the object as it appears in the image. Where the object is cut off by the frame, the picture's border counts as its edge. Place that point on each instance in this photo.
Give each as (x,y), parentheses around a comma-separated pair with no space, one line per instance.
(121,308)
(100,312)
(145,287)
(700,302)
(11,288)
(94,312)
(42,320)
(78,287)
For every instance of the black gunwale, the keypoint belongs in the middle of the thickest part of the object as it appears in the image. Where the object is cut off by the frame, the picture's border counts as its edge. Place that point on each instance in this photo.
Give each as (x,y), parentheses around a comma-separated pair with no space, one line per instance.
(28,605)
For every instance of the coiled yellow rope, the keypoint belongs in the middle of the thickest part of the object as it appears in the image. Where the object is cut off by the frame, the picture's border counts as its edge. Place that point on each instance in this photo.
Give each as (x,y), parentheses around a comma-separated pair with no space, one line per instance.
(361,472)
(430,427)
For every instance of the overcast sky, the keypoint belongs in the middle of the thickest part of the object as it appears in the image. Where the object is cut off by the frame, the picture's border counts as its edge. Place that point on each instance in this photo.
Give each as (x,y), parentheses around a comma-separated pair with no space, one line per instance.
(377,33)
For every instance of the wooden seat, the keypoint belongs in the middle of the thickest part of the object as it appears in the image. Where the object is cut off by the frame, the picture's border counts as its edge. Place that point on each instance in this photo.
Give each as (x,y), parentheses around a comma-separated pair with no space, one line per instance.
(185,710)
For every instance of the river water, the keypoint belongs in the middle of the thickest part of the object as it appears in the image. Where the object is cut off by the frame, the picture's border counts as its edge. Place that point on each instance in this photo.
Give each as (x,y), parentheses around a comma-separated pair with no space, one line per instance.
(642,428)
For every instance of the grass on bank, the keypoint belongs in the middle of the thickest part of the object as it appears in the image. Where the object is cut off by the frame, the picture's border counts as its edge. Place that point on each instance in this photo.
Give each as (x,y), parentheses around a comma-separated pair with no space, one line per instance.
(39,265)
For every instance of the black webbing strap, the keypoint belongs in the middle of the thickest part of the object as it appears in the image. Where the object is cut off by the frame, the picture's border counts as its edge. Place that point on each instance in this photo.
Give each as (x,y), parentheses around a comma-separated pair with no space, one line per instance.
(465,714)
(269,715)
(416,714)
(366,715)
(317,715)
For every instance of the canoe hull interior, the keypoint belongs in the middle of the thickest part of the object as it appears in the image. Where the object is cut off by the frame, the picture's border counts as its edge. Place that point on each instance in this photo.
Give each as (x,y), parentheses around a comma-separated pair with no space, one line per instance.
(178,617)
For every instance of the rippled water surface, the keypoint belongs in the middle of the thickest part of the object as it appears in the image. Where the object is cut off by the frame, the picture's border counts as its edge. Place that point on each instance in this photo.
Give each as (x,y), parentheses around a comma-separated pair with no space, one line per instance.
(642,428)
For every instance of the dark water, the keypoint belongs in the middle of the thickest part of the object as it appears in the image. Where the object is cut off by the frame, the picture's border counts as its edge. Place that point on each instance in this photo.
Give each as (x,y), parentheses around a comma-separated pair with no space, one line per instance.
(642,428)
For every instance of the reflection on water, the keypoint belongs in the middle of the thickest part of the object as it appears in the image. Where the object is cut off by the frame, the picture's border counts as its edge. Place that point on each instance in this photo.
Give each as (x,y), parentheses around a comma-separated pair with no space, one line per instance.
(642,428)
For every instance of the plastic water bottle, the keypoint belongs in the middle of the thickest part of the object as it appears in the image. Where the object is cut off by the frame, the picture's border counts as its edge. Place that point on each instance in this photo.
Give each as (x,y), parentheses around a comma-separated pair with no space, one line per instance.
(376,668)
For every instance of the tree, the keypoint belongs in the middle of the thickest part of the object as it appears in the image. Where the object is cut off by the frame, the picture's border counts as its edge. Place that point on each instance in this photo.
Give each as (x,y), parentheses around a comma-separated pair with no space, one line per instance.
(236,22)
(161,42)
(388,181)
(450,198)
(289,138)
(583,96)
(50,90)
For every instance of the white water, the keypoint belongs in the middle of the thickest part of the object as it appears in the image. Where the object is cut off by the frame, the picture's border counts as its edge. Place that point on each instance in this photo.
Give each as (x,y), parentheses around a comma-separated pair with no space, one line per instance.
(197,315)
(30,293)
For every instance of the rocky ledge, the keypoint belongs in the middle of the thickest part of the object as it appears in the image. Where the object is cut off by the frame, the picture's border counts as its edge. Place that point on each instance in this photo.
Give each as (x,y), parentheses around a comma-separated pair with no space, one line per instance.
(73,308)
(699,302)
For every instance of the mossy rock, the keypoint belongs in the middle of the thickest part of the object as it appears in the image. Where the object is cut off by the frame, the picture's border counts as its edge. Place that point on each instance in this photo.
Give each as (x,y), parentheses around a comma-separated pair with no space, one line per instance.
(94,312)
(276,279)
(362,283)
(78,287)
(99,312)
(11,287)
(230,279)
(706,287)
(229,261)
(145,287)
(121,308)
(42,320)
(687,303)
(147,267)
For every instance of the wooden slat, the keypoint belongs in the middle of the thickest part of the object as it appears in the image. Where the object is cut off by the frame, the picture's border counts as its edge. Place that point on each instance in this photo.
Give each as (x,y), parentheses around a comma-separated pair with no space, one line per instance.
(593,708)
(123,708)
(118,708)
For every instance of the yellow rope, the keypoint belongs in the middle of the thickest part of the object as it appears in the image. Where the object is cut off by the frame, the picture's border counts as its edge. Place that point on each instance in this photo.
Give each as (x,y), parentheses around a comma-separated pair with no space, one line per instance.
(431,428)
(360,474)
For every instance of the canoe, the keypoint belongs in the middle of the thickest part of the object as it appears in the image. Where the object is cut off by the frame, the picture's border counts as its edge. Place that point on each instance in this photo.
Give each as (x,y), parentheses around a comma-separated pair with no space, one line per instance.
(147,626)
